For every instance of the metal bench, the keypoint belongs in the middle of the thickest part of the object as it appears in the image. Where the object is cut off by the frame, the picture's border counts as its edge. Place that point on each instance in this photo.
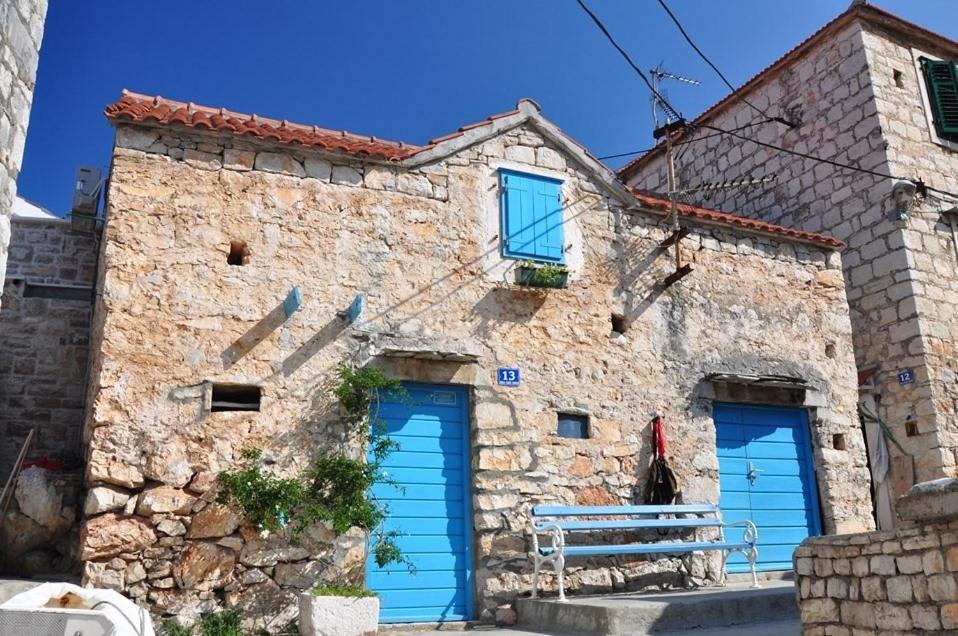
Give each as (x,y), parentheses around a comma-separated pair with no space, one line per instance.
(559,521)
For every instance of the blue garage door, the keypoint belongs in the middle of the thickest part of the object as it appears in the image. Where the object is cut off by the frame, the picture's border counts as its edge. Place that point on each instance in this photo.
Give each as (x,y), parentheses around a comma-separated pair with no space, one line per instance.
(430,505)
(766,474)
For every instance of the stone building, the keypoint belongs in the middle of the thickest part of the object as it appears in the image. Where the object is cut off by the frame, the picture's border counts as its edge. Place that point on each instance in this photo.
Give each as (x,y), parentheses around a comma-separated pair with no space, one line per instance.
(21,31)
(212,217)
(857,92)
(44,339)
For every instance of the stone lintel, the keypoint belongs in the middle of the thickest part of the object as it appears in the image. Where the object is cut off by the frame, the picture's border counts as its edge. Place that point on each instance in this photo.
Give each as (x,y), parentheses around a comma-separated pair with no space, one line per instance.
(928,501)
(426,348)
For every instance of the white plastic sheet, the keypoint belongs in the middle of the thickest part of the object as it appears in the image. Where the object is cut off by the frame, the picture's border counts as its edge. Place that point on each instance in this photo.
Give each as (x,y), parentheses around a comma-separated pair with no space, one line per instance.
(129,618)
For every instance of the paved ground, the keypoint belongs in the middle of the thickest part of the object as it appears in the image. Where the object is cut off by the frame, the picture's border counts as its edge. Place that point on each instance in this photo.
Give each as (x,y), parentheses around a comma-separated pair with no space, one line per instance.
(779,628)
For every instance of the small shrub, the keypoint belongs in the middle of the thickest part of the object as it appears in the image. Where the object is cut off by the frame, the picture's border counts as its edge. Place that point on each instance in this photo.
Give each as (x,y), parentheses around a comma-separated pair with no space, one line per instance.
(171,628)
(354,591)
(224,623)
(336,488)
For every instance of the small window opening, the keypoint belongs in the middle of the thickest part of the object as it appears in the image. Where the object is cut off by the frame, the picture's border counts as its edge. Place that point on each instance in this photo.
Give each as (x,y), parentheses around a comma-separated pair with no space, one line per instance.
(239,253)
(235,397)
(838,441)
(911,427)
(573,425)
(830,350)
(899,78)
(619,323)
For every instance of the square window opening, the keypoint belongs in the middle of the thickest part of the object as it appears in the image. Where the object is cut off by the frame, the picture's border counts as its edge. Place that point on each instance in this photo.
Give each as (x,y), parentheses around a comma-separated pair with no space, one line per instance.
(235,397)
(620,324)
(899,78)
(573,426)
(838,441)
(239,253)
(911,428)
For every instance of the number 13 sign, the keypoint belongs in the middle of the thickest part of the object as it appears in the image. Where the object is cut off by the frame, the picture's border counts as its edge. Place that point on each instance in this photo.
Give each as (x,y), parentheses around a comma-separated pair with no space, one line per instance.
(507,376)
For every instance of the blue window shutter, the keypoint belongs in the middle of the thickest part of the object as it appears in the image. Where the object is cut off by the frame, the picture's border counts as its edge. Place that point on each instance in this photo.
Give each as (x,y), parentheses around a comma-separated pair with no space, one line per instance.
(531,217)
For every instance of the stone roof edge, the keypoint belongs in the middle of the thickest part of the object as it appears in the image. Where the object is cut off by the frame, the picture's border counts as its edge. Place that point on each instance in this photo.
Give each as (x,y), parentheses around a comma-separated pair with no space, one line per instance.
(864,12)
(527,112)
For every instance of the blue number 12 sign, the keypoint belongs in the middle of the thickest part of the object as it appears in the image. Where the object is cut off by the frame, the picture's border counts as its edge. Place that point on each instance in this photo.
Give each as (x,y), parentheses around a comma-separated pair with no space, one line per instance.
(508,376)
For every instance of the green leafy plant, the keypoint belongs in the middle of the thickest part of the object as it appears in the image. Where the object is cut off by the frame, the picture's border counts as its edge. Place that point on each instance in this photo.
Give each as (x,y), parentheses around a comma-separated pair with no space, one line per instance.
(534,274)
(353,591)
(336,487)
(171,628)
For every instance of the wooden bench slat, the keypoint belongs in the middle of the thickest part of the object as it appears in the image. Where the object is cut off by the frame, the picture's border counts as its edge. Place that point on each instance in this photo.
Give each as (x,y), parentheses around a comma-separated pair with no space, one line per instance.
(627,524)
(648,548)
(606,511)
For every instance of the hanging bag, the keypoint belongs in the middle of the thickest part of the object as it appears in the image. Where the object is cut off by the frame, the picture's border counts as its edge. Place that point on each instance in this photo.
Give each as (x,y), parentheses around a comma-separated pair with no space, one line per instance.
(662,486)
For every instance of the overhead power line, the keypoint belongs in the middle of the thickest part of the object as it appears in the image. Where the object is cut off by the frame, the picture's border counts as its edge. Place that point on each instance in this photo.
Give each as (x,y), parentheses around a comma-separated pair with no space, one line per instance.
(608,36)
(702,55)
(732,133)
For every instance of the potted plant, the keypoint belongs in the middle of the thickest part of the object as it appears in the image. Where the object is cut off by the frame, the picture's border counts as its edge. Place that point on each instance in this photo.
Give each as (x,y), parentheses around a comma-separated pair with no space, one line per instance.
(338,610)
(544,275)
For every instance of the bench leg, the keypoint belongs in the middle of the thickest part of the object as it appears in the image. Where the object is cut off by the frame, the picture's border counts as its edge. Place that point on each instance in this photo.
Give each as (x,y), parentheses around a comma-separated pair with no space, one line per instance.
(535,577)
(723,581)
(752,557)
(559,564)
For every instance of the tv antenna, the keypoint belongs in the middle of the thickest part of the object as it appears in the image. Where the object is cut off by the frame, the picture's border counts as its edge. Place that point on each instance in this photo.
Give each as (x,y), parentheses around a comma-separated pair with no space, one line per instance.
(658,74)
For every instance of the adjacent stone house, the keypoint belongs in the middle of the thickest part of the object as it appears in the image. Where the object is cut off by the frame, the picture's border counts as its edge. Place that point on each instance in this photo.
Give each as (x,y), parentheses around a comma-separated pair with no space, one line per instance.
(21,31)
(213,217)
(44,339)
(859,92)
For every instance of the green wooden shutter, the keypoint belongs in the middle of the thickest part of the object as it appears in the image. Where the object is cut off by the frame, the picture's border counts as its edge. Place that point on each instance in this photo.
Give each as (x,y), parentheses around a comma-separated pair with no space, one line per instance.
(942,80)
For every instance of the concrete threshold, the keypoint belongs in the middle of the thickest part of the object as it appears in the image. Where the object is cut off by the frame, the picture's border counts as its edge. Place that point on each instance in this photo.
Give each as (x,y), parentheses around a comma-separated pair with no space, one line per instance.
(661,612)
(776,628)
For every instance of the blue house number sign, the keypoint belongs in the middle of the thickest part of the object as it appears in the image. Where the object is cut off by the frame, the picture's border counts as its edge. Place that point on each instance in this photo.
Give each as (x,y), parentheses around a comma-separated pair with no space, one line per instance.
(507,376)
(906,377)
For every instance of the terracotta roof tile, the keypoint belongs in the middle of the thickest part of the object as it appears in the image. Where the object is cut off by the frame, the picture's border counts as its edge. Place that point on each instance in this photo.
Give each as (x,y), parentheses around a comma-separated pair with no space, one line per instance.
(134,107)
(705,214)
(148,109)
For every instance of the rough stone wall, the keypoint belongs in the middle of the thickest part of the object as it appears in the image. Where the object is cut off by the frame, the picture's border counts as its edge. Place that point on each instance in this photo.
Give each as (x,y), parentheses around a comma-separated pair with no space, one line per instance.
(895,582)
(44,345)
(899,582)
(929,251)
(44,341)
(420,247)
(843,93)
(21,30)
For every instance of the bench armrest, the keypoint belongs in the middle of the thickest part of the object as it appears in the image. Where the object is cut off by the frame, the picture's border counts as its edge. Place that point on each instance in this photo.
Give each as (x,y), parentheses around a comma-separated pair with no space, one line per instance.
(551,530)
(750,535)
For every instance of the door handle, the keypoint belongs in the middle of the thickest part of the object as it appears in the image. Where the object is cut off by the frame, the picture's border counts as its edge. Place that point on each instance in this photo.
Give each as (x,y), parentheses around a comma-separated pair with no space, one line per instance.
(753,473)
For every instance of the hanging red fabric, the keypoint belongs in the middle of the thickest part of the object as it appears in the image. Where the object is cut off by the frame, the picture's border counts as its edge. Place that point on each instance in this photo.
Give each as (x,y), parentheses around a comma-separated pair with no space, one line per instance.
(659,434)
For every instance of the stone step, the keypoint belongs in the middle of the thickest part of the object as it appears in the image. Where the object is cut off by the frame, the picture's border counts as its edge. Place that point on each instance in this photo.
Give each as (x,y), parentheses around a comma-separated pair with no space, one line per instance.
(657,613)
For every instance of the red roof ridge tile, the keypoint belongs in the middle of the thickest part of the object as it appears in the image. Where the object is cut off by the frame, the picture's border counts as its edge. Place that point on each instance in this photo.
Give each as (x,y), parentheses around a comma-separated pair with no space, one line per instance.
(662,203)
(865,11)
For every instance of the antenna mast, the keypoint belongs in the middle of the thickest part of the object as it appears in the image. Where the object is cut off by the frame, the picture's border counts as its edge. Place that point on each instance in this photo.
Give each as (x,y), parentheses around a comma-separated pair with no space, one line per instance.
(674,126)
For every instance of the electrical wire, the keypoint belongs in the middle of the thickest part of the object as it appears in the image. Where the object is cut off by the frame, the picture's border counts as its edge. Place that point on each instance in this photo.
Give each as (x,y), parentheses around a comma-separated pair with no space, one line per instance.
(733,133)
(702,55)
(608,36)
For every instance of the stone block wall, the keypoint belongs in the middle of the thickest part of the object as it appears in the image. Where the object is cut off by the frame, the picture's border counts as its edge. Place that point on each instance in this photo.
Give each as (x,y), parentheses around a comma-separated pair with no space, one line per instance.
(420,246)
(929,256)
(894,582)
(899,275)
(21,31)
(44,342)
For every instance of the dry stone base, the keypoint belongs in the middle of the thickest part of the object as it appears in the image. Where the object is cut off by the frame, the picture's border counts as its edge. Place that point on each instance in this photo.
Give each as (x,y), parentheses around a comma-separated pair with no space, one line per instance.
(898,582)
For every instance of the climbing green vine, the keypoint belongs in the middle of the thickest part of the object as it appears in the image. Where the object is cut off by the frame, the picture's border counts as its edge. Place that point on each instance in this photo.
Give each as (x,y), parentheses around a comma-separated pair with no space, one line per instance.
(337,487)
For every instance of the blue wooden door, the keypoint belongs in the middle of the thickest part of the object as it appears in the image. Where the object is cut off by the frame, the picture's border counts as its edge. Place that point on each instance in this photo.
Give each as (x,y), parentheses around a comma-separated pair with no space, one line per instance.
(766,474)
(429,504)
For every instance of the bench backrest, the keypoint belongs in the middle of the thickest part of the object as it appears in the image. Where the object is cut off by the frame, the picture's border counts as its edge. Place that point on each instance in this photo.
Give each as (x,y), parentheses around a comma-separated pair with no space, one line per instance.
(611,511)
(625,517)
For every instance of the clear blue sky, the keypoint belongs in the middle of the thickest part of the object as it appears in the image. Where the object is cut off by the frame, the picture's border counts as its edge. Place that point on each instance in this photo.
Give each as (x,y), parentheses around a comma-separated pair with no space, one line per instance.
(399,69)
